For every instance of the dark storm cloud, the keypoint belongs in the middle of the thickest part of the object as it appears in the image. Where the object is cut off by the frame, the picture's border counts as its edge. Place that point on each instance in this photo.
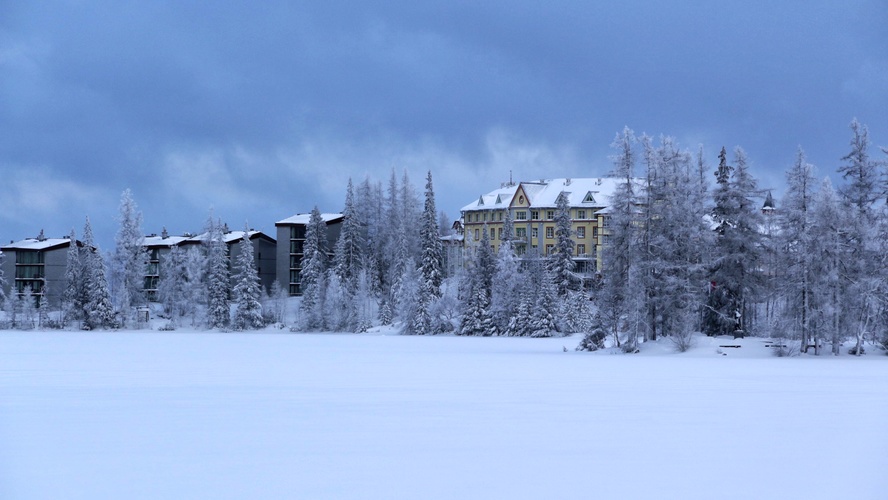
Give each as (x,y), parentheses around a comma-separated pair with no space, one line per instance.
(265,108)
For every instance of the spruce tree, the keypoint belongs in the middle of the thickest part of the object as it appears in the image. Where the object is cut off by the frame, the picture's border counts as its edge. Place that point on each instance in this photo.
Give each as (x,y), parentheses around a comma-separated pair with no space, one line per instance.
(314,265)
(98,311)
(734,273)
(74,295)
(561,264)
(430,272)
(247,289)
(217,275)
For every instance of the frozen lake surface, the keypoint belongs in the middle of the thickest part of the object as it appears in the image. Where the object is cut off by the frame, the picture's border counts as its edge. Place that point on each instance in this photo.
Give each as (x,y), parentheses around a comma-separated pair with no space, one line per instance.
(280,415)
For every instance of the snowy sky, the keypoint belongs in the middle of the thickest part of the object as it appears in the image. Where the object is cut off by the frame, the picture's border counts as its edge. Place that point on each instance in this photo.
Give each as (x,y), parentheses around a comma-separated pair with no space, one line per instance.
(264,109)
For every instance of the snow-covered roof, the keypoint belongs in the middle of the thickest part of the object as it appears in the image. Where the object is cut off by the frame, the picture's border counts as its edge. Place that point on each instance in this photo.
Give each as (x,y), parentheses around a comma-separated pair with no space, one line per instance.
(303,219)
(451,237)
(160,241)
(229,237)
(37,244)
(594,192)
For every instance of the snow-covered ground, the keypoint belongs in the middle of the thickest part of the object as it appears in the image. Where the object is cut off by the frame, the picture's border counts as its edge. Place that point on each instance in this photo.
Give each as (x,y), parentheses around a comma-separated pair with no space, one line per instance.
(281,415)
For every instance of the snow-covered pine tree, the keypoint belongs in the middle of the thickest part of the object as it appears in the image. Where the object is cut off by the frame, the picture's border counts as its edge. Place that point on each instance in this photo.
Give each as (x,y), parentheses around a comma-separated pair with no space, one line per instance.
(620,233)
(829,234)
(798,252)
(74,294)
(247,288)
(407,297)
(171,289)
(859,195)
(545,308)
(561,264)
(128,261)
(674,235)
(594,338)
(28,312)
(506,293)
(520,325)
(217,275)
(734,271)
(2,281)
(314,266)
(98,311)
(477,318)
(430,272)
(195,288)
(348,258)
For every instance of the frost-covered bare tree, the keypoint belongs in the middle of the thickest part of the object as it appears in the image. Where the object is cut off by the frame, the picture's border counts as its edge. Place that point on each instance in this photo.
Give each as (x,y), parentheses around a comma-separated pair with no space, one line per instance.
(172,288)
(798,266)
(615,300)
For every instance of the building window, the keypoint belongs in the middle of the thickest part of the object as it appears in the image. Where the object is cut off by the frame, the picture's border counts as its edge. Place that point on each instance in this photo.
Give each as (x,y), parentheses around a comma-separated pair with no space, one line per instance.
(521,215)
(549,249)
(607,239)
(581,214)
(499,216)
(581,232)
(477,234)
(297,232)
(485,216)
(535,232)
(294,276)
(296,246)
(520,232)
(534,215)
(499,233)
(605,221)
(550,232)
(28,257)
(550,214)
(581,250)
(595,232)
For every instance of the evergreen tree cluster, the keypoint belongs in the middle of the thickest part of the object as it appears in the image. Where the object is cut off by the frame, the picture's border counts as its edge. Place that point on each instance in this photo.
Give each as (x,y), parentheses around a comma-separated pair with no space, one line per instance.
(810,271)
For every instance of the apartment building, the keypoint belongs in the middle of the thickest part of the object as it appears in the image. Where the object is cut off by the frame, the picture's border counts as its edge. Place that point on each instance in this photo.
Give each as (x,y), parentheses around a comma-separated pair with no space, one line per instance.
(291,235)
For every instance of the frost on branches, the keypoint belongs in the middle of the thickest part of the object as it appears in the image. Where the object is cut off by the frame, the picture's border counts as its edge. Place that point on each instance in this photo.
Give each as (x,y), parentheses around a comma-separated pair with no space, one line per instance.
(247,290)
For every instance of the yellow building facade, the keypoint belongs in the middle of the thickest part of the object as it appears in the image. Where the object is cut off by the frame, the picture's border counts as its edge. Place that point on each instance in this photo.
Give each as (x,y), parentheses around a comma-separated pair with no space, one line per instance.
(532,206)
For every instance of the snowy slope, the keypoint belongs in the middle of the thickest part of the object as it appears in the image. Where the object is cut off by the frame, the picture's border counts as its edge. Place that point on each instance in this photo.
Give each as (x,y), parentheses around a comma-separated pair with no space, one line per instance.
(275,415)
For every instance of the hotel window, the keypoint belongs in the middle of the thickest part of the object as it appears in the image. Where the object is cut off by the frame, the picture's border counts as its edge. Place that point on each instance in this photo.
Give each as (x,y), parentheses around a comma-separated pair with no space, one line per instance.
(485,216)
(581,232)
(534,215)
(605,221)
(595,232)
(297,232)
(550,214)
(521,215)
(499,233)
(499,216)
(550,232)
(535,232)
(581,249)
(477,234)
(549,249)
(520,232)
(581,214)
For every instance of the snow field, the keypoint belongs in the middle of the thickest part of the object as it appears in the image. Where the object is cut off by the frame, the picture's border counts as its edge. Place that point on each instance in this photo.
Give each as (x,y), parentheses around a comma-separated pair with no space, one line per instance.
(274,415)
